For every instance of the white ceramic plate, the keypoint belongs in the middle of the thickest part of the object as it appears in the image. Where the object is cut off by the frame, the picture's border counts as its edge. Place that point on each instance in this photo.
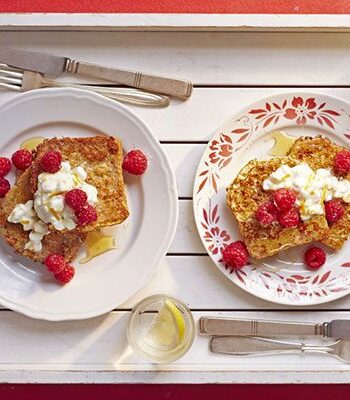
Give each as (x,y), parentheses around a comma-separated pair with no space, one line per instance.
(281,279)
(110,279)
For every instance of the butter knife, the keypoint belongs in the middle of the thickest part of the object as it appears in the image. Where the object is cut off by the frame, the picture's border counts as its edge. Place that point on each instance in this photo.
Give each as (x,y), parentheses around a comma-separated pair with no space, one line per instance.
(54,66)
(338,328)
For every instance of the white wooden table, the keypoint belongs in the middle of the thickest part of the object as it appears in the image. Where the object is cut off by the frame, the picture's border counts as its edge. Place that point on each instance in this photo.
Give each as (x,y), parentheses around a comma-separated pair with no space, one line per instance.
(230,70)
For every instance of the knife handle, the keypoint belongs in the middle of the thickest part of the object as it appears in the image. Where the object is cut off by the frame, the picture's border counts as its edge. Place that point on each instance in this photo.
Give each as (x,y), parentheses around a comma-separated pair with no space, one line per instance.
(245,327)
(172,87)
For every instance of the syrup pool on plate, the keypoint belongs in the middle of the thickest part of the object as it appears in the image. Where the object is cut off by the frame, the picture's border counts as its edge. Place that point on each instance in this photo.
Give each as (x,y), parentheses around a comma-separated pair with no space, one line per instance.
(31,143)
(97,243)
(283,143)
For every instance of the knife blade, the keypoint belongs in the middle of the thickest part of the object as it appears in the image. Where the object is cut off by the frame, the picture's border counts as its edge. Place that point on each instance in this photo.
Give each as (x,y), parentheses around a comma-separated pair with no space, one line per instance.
(45,64)
(339,328)
(54,66)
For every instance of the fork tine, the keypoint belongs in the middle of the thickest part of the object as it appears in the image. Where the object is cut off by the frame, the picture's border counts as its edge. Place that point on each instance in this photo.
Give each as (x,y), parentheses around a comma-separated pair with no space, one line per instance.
(5,79)
(11,73)
(11,87)
(9,68)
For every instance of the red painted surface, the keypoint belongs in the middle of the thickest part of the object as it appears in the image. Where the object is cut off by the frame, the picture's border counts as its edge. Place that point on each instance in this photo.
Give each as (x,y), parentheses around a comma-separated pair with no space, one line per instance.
(173,392)
(178,6)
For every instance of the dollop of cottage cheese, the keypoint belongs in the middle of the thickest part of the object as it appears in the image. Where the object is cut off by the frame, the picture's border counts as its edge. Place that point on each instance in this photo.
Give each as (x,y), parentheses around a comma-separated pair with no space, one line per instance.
(49,201)
(313,188)
(25,215)
(49,205)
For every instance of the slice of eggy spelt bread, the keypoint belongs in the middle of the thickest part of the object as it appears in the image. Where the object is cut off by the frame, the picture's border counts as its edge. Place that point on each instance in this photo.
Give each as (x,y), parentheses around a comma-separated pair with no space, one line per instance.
(67,244)
(319,152)
(101,157)
(244,196)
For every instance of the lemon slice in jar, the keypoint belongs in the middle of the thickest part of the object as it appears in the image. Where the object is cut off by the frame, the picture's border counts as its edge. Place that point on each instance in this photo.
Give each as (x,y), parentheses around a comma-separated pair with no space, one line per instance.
(168,329)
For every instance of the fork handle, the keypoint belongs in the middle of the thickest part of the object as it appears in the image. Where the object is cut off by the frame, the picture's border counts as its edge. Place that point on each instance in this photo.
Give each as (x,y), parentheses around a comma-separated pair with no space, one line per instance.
(125,95)
(252,346)
(153,83)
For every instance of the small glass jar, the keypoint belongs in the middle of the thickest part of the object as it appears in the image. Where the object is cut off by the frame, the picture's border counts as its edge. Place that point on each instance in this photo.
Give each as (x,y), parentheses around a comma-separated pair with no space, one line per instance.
(142,320)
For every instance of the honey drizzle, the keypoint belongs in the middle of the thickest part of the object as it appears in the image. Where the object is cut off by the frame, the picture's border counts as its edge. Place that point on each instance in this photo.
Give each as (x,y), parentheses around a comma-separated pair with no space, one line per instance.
(97,243)
(283,143)
(31,143)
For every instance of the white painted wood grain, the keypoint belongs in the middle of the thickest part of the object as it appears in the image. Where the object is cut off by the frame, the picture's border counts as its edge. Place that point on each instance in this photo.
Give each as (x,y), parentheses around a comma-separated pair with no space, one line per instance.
(184,159)
(238,58)
(202,286)
(240,376)
(186,239)
(95,348)
(209,108)
(198,118)
(174,22)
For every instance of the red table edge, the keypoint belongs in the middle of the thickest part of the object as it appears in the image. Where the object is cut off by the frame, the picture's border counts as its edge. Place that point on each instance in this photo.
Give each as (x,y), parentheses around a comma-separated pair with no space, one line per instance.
(177,7)
(171,392)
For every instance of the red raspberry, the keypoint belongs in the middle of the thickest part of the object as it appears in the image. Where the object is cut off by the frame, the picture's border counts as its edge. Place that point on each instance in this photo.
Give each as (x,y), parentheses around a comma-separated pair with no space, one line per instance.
(66,275)
(135,162)
(4,187)
(284,199)
(86,215)
(5,166)
(342,162)
(290,218)
(51,161)
(266,213)
(22,159)
(76,199)
(55,263)
(236,254)
(314,257)
(334,210)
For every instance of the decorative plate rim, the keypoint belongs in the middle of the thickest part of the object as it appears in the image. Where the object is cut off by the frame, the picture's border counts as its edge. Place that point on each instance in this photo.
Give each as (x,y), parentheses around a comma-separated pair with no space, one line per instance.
(173,201)
(304,95)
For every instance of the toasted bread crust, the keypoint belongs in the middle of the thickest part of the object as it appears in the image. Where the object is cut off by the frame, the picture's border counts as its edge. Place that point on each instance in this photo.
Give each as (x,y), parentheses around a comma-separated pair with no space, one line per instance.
(244,196)
(66,244)
(319,152)
(102,157)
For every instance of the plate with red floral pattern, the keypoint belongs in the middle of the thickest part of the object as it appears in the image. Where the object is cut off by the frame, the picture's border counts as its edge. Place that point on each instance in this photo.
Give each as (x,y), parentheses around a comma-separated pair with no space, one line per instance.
(247,135)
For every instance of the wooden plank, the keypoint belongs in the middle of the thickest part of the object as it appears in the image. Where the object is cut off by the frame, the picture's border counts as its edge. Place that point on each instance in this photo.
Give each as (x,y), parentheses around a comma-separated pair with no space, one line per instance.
(186,238)
(198,118)
(174,22)
(241,58)
(96,350)
(202,286)
(184,159)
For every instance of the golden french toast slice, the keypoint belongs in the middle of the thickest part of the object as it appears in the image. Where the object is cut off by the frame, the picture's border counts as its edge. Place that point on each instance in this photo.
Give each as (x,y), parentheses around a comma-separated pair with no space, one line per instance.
(244,196)
(66,244)
(101,157)
(319,152)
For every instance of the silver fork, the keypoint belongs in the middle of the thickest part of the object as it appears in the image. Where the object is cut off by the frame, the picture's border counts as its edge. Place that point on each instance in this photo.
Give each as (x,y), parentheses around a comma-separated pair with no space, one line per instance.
(252,346)
(22,80)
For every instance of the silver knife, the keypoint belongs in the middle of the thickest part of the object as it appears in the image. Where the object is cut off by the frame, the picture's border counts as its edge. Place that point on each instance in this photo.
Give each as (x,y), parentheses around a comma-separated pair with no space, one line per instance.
(338,328)
(53,66)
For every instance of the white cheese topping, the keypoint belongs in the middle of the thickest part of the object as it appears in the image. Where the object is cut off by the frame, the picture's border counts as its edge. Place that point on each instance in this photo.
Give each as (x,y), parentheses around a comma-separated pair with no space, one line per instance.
(25,215)
(49,205)
(49,201)
(313,188)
